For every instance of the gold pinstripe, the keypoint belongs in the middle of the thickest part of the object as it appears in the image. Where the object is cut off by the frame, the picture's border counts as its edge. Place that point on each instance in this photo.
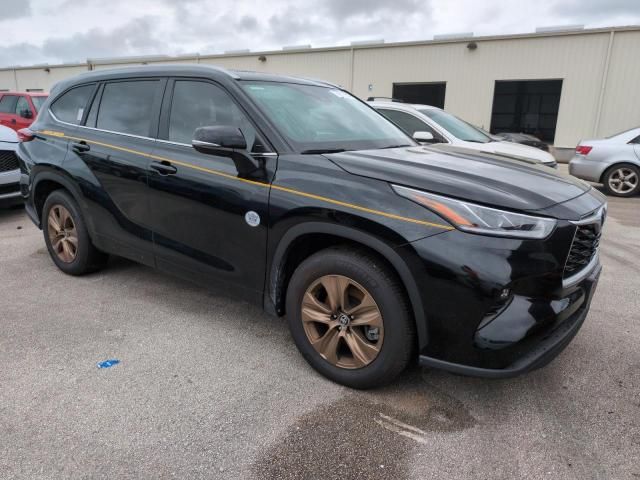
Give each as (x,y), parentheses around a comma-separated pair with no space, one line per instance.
(254,182)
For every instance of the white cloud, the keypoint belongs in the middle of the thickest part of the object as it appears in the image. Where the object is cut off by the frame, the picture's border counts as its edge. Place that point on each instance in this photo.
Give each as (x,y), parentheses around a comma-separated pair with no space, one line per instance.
(72,30)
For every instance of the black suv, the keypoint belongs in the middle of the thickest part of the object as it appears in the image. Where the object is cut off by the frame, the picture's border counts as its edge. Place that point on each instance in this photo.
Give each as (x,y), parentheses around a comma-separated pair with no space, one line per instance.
(298,196)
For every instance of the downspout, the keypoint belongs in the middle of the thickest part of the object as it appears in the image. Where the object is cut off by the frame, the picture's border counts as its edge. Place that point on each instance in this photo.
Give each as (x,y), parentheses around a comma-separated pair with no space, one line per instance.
(603,84)
(15,78)
(351,70)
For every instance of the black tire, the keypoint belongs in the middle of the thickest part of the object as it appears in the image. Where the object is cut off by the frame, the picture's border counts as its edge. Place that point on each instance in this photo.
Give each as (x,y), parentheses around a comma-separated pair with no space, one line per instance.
(382,284)
(87,257)
(607,177)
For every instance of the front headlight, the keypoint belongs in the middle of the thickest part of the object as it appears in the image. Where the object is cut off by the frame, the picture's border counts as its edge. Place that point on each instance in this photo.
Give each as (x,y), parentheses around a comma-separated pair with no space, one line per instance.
(473,218)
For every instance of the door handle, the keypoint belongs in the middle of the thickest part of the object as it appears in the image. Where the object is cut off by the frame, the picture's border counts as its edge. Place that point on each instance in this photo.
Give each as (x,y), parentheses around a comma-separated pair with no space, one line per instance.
(80,147)
(164,167)
(13,120)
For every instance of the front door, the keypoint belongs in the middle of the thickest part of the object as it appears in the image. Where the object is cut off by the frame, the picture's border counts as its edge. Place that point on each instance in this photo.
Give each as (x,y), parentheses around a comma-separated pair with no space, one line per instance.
(208,223)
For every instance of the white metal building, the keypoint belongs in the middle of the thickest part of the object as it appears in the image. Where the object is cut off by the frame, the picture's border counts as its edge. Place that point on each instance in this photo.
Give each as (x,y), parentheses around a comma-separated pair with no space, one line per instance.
(564,85)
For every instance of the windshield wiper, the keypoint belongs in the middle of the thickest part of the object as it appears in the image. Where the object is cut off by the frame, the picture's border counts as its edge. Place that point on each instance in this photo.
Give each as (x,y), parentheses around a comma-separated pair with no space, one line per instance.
(322,150)
(396,146)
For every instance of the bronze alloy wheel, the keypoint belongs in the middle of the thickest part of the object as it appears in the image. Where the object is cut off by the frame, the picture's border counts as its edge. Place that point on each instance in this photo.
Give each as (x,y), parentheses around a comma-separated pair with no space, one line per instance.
(62,233)
(342,322)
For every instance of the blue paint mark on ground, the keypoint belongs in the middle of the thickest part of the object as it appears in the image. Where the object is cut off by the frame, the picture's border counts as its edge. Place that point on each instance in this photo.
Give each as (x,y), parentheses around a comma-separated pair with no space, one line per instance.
(108,363)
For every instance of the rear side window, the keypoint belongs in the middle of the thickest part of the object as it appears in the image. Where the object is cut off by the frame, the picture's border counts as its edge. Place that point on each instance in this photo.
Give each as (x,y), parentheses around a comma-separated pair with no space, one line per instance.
(38,101)
(126,107)
(407,122)
(70,106)
(8,104)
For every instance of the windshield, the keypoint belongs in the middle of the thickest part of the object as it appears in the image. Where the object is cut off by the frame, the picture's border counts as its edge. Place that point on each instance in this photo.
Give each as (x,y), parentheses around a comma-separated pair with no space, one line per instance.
(320,119)
(37,102)
(456,127)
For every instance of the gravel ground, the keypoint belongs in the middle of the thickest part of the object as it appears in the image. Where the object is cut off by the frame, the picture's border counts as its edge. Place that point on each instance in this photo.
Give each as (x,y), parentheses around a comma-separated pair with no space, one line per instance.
(209,387)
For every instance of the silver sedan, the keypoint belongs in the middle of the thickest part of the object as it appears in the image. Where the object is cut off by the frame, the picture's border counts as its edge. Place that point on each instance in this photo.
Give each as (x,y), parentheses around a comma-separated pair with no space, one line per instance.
(613,161)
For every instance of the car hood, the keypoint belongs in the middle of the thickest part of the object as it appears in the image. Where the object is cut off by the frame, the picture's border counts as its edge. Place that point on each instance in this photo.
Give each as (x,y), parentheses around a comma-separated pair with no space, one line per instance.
(465,174)
(516,150)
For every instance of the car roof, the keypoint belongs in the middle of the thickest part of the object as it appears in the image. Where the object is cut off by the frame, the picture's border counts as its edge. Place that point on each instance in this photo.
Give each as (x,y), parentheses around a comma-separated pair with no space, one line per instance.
(209,71)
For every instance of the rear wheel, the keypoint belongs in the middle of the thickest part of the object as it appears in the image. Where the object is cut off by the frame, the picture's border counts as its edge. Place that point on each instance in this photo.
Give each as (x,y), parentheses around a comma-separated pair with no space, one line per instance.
(349,318)
(622,180)
(67,238)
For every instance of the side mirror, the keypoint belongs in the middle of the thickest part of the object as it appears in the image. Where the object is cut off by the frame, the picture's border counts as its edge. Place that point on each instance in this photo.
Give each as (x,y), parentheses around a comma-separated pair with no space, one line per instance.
(26,113)
(424,137)
(225,141)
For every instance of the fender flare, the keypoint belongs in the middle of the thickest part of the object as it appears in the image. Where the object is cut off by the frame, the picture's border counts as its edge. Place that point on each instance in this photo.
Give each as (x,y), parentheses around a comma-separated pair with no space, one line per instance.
(384,250)
(55,175)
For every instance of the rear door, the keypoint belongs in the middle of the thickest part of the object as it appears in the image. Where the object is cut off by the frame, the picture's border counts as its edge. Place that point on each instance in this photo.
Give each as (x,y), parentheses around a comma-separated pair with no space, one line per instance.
(115,144)
(208,223)
(636,146)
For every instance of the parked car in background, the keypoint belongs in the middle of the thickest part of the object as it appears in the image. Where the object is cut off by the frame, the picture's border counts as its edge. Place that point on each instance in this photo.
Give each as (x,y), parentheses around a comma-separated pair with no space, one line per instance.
(429,124)
(9,172)
(613,161)
(19,109)
(523,139)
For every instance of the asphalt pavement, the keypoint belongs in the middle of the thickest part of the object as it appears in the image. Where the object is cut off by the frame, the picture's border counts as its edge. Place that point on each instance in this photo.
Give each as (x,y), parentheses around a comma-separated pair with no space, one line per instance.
(209,387)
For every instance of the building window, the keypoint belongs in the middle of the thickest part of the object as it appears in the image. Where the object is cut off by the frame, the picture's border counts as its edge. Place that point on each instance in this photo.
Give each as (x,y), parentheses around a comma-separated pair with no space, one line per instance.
(423,93)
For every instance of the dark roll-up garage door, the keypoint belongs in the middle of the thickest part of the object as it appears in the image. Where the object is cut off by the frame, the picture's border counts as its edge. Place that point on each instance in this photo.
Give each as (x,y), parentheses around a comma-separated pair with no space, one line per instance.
(526,106)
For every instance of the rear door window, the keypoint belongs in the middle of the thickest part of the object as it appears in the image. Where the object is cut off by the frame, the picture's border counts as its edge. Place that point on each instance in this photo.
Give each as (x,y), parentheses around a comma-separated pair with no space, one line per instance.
(70,106)
(408,122)
(126,107)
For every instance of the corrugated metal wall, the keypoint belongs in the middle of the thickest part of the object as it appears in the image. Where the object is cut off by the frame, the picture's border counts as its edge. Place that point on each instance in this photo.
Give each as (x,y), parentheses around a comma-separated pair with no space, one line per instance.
(585,61)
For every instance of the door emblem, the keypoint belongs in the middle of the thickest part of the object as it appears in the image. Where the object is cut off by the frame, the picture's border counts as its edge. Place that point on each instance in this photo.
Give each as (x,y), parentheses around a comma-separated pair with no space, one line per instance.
(252,218)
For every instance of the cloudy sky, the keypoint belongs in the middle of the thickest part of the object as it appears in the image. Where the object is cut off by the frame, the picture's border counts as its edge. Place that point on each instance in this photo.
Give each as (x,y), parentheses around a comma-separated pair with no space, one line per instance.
(54,31)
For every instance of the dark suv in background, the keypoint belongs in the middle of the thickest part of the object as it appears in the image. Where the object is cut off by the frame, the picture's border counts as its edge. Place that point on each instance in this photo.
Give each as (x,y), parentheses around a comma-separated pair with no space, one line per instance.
(295,195)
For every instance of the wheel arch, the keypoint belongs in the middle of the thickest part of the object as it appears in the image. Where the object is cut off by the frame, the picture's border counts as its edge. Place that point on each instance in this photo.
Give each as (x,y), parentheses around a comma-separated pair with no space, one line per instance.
(48,180)
(283,263)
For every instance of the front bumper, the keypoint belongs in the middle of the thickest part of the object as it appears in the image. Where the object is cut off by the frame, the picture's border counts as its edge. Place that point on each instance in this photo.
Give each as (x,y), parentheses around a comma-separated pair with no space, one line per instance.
(537,350)
(498,307)
(10,187)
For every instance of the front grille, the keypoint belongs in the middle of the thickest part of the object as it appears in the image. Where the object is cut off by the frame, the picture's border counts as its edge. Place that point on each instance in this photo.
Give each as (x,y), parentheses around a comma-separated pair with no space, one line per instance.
(8,160)
(583,249)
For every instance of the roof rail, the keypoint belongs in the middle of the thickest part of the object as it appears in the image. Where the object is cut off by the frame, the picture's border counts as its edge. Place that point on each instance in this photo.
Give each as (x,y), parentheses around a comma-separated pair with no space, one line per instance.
(373,99)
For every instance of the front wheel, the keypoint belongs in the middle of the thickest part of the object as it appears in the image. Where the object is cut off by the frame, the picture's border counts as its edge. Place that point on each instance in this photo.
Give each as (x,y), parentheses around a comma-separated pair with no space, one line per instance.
(622,180)
(349,317)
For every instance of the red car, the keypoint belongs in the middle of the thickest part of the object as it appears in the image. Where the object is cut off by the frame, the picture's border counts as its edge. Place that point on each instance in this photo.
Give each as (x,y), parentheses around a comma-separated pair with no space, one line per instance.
(19,109)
